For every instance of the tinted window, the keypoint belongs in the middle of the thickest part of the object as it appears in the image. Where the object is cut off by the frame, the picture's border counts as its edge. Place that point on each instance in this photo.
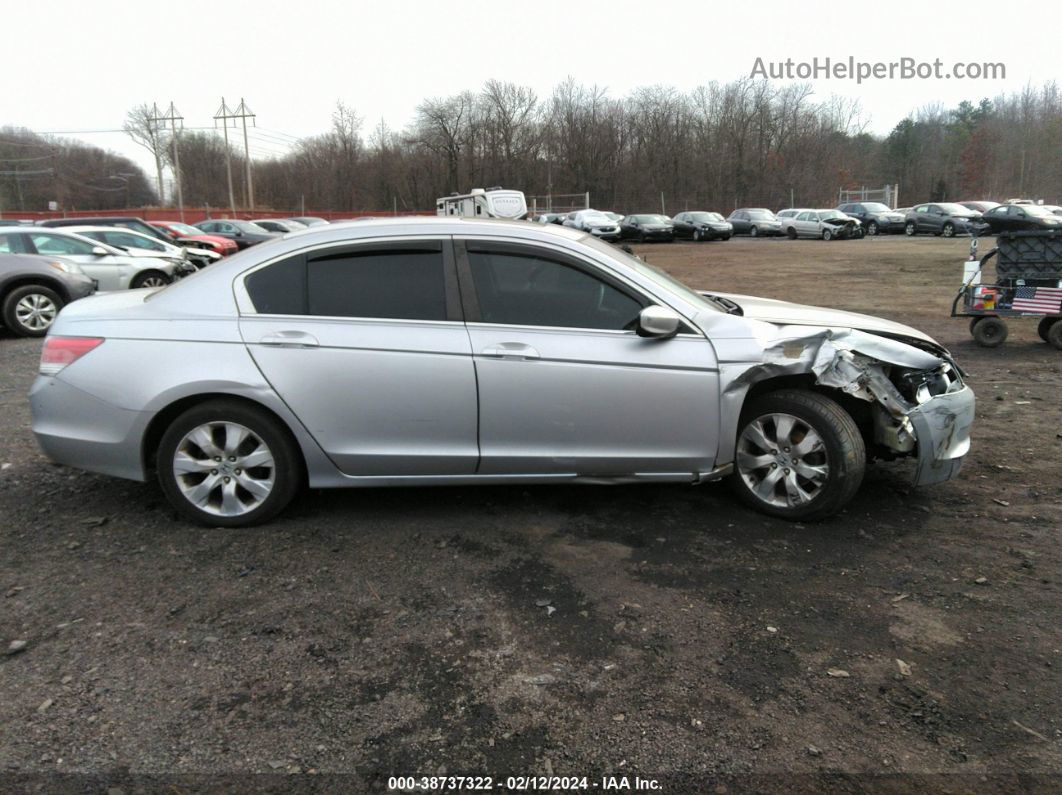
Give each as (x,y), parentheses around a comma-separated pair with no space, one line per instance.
(528,290)
(12,244)
(279,289)
(402,283)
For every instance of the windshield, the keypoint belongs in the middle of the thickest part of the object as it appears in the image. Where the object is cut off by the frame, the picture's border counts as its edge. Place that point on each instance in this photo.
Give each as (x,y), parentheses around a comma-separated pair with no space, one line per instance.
(665,280)
(650,219)
(954,209)
(761,215)
(826,215)
(595,216)
(876,207)
(185,229)
(705,217)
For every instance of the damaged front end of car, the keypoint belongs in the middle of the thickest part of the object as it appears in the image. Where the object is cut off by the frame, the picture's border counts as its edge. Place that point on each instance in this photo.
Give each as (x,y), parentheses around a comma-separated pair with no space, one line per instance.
(918,404)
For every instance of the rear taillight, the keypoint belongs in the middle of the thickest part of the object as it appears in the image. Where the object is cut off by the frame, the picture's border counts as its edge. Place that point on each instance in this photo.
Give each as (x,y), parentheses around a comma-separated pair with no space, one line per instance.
(58,352)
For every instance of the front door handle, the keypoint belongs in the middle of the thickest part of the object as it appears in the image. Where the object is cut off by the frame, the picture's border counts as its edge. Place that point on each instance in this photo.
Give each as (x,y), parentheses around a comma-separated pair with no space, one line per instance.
(511,350)
(290,339)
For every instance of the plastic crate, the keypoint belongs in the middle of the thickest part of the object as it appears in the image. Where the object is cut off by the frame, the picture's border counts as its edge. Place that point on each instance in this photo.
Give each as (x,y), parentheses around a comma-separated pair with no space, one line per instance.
(1029,255)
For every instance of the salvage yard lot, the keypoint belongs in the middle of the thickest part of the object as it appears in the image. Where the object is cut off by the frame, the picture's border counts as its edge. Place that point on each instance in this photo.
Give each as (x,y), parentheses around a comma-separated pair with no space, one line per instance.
(660,631)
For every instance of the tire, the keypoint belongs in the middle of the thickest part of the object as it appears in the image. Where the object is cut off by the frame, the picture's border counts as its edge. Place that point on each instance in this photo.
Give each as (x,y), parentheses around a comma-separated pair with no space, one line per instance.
(641,237)
(200,438)
(754,231)
(791,233)
(948,230)
(30,310)
(827,234)
(1043,327)
(149,279)
(872,228)
(909,229)
(727,237)
(1054,334)
(835,465)
(696,235)
(989,332)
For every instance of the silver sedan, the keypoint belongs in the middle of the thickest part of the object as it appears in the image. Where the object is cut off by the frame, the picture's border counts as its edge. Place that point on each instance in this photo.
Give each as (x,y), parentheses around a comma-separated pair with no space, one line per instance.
(459,351)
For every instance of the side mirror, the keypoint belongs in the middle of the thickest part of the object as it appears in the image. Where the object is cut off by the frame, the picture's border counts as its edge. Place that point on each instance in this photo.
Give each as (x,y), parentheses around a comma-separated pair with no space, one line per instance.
(99,251)
(238,233)
(658,322)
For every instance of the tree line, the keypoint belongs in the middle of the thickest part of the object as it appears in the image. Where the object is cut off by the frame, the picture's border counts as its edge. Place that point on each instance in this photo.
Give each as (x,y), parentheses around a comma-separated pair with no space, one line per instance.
(720,146)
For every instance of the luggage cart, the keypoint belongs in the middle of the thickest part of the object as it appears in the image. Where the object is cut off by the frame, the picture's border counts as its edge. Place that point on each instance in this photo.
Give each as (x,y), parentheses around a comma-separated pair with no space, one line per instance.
(1028,285)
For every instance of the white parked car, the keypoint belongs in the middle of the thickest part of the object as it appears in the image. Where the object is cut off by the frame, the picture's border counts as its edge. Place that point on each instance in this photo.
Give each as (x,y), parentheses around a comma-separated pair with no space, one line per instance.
(109,267)
(138,244)
(819,224)
(595,222)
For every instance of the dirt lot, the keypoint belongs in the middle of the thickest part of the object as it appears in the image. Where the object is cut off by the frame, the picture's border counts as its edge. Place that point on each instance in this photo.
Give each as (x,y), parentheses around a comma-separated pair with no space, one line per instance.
(655,631)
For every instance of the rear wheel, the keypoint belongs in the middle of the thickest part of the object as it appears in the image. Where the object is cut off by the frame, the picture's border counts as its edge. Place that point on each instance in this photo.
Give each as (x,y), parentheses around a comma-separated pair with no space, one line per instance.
(1054,334)
(228,464)
(754,232)
(989,332)
(791,233)
(799,455)
(697,235)
(149,279)
(30,310)
(909,229)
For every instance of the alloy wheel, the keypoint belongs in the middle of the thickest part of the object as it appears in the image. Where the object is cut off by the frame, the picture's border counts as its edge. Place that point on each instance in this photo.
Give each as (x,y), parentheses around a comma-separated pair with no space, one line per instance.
(224,468)
(36,312)
(782,460)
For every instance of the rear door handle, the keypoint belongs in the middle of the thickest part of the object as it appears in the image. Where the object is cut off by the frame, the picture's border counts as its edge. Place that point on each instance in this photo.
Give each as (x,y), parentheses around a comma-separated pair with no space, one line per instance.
(290,339)
(511,350)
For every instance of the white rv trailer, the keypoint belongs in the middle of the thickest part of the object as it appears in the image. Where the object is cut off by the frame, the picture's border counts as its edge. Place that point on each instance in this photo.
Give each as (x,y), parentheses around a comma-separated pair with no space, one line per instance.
(490,203)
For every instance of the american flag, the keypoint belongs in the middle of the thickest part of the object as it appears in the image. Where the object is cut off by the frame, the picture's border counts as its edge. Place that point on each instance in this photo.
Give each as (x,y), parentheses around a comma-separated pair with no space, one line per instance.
(1042,300)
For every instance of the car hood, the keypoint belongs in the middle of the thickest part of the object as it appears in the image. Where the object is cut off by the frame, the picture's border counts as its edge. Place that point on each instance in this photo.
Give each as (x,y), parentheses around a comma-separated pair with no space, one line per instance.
(219,241)
(783,313)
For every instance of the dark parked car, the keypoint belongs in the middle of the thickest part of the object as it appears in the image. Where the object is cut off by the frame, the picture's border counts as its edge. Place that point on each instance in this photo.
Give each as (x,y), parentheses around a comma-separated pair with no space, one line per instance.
(126,222)
(876,218)
(33,288)
(308,220)
(243,233)
(703,226)
(941,218)
(646,227)
(14,222)
(1018,217)
(278,226)
(754,221)
(1054,209)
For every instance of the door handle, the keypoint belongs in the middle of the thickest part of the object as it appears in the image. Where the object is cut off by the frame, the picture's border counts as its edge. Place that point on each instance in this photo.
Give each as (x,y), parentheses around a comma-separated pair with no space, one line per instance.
(511,350)
(289,339)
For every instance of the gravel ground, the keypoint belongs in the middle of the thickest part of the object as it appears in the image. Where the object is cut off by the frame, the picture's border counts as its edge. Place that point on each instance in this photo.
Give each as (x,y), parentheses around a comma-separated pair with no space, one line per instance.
(663,632)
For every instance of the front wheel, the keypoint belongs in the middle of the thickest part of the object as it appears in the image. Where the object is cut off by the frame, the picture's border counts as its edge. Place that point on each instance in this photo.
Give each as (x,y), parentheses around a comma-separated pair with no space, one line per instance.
(949,230)
(1043,327)
(697,235)
(791,233)
(754,232)
(827,234)
(799,455)
(1054,334)
(149,279)
(872,229)
(909,229)
(228,464)
(989,332)
(30,310)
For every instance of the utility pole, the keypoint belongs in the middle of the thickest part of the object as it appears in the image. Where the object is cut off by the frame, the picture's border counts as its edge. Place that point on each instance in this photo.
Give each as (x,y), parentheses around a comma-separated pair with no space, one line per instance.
(173,117)
(153,130)
(223,115)
(244,113)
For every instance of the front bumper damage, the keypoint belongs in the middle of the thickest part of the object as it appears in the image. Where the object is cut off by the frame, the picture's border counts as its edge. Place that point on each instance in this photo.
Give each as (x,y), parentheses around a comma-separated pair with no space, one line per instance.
(930,419)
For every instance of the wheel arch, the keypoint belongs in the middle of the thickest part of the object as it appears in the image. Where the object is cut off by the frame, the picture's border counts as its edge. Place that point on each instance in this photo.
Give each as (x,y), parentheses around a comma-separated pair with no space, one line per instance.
(859,410)
(34,280)
(165,416)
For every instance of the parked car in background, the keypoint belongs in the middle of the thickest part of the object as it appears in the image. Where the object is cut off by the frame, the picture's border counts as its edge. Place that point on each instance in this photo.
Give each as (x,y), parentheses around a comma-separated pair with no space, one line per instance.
(308,220)
(124,221)
(595,222)
(110,268)
(644,228)
(34,288)
(700,225)
(14,222)
(188,235)
(345,357)
(1020,217)
(614,216)
(875,217)
(139,245)
(281,227)
(1054,209)
(754,221)
(551,218)
(980,206)
(941,218)
(819,224)
(243,233)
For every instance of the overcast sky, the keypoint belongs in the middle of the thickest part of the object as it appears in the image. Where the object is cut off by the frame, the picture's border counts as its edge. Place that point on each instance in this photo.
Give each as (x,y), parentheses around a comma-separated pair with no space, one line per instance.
(81,66)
